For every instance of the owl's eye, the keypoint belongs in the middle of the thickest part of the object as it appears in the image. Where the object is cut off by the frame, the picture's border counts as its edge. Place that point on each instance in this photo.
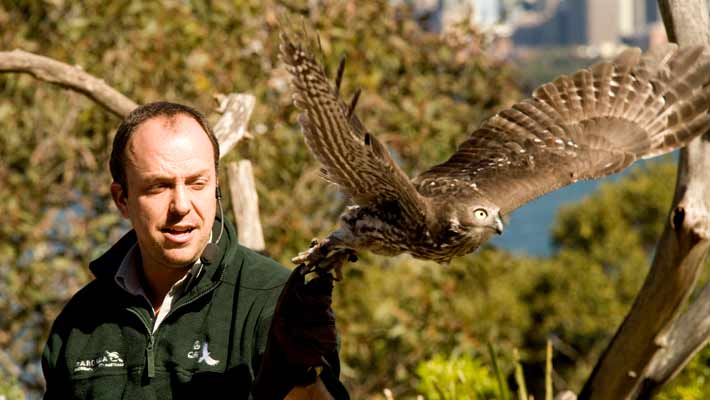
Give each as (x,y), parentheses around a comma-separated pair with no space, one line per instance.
(480,213)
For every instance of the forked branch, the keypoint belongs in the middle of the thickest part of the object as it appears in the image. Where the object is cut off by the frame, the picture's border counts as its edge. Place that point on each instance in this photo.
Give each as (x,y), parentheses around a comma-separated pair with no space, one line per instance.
(654,343)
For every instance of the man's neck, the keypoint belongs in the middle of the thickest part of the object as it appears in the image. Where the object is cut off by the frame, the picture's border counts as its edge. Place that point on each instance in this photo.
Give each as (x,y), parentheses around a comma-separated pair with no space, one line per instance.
(158,280)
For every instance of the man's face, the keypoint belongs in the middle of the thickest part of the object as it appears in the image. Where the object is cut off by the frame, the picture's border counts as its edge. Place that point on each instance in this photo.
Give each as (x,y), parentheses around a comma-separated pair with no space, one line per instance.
(171,183)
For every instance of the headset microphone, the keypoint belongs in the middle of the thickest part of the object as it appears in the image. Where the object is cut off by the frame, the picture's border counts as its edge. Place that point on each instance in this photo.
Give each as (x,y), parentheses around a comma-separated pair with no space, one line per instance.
(209,254)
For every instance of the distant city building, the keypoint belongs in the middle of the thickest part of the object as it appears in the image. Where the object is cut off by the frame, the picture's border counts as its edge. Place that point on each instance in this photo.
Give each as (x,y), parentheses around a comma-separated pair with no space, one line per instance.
(551,23)
(436,15)
(487,12)
(586,22)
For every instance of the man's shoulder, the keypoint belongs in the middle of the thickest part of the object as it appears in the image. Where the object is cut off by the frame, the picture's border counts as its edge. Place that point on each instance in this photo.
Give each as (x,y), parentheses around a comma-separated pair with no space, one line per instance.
(87,295)
(261,273)
(86,301)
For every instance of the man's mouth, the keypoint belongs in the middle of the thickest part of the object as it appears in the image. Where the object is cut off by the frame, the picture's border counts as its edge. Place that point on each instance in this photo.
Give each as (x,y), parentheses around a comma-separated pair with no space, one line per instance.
(178,230)
(178,234)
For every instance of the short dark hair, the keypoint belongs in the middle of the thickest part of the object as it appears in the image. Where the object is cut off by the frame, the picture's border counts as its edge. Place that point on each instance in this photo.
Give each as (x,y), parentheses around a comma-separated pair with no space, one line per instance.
(143,114)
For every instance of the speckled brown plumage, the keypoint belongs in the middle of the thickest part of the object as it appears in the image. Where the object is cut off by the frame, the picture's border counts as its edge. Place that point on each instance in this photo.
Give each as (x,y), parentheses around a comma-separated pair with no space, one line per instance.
(587,125)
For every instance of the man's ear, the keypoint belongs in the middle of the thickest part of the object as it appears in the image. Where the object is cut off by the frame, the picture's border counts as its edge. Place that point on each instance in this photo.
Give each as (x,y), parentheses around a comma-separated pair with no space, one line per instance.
(119,198)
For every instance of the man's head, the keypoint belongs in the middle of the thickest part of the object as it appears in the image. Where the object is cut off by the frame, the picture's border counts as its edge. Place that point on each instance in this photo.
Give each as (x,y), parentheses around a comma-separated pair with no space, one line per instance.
(164,167)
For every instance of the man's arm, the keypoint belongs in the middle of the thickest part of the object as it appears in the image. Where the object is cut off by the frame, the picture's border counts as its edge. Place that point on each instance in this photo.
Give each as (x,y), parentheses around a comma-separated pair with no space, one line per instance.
(302,341)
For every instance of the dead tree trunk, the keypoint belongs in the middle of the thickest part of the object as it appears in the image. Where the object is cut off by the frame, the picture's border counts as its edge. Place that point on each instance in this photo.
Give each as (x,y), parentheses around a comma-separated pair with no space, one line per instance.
(654,343)
(245,204)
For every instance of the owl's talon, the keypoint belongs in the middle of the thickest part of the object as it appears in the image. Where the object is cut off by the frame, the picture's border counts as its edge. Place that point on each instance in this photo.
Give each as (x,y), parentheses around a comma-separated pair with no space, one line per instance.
(313,255)
(338,270)
(333,263)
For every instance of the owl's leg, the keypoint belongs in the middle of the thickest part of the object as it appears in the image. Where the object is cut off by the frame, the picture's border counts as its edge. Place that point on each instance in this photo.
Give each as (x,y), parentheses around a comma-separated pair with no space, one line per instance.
(327,254)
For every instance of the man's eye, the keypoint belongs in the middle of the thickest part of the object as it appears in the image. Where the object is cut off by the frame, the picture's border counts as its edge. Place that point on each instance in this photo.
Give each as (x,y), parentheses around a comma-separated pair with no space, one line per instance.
(199,185)
(158,187)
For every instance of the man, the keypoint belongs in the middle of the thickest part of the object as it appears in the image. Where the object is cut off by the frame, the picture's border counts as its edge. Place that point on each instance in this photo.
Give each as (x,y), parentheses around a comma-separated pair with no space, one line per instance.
(178,309)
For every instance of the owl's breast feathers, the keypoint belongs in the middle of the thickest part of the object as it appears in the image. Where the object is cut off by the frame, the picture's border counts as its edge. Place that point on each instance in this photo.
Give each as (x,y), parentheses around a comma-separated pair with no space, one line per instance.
(386,231)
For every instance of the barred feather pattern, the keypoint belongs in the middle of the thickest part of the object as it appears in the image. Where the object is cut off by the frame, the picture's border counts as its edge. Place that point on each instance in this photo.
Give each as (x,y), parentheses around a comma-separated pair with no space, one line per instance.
(351,157)
(585,126)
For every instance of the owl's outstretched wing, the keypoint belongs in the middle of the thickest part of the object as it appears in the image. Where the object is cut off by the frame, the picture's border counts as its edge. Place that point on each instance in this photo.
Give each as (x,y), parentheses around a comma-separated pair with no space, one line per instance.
(351,157)
(585,126)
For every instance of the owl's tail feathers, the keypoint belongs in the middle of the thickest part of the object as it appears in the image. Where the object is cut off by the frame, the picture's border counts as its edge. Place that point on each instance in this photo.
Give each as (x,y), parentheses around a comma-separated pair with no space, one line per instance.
(680,101)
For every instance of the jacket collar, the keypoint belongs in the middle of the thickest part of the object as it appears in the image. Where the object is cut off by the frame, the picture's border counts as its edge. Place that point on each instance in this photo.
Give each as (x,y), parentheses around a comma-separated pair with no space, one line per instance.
(106,266)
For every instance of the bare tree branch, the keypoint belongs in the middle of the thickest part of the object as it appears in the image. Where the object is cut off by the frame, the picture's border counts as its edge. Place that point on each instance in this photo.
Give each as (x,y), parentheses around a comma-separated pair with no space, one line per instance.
(650,333)
(229,129)
(245,204)
(67,76)
(689,334)
(236,109)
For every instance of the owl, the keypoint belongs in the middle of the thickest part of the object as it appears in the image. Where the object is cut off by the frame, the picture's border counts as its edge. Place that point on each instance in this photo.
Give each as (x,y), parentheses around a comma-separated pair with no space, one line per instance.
(587,125)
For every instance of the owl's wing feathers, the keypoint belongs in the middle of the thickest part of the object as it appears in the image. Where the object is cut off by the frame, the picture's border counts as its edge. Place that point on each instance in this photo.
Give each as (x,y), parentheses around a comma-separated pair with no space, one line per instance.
(585,126)
(351,157)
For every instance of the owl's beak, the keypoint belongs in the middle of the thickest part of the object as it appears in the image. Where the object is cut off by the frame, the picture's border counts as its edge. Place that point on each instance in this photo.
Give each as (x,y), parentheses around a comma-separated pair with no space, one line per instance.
(499,224)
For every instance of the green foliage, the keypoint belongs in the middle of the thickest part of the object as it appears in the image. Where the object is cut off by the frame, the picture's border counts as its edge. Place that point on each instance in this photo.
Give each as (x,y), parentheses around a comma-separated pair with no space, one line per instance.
(466,376)
(693,383)
(520,377)
(388,309)
(456,378)
(503,392)
(10,388)
(393,313)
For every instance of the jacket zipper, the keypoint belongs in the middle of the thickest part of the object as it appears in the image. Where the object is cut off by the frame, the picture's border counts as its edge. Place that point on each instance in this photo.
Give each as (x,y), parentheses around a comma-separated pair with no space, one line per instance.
(149,350)
(149,355)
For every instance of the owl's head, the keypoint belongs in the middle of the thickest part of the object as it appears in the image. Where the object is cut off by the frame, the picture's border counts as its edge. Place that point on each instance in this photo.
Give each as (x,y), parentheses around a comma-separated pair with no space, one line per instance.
(479,218)
(464,226)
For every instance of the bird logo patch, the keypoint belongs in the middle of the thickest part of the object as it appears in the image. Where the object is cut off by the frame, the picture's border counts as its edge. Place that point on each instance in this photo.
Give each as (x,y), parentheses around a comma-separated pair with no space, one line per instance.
(109,359)
(200,351)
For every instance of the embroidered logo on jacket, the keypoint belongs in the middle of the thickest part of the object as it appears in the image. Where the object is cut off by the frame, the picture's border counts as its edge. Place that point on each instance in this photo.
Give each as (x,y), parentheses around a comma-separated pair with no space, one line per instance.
(110,359)
(202,354)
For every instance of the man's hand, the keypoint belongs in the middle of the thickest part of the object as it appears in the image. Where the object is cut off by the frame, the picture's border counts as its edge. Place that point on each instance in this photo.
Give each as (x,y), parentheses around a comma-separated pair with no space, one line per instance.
(304,322)
(302,336)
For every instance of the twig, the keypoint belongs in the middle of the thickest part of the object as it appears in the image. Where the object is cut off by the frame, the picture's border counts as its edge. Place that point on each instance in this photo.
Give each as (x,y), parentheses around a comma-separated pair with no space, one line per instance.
(67,76)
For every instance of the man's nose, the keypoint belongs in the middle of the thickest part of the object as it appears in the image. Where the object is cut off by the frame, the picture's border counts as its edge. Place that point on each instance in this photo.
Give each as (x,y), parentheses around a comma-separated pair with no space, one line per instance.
(181,201)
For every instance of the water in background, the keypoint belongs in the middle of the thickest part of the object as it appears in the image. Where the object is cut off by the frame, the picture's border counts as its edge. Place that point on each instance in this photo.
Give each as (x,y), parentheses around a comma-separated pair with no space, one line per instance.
(528,229)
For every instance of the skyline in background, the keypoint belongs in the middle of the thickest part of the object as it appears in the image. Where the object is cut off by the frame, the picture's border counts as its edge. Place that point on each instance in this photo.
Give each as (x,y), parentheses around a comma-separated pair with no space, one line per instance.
(602,25)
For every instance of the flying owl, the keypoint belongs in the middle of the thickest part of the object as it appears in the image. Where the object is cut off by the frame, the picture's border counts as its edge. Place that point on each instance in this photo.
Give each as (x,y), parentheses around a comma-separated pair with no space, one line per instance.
(591,124)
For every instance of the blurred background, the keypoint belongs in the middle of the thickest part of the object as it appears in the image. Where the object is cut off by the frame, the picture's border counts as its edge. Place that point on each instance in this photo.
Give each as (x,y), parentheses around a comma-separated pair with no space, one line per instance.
(566,270)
